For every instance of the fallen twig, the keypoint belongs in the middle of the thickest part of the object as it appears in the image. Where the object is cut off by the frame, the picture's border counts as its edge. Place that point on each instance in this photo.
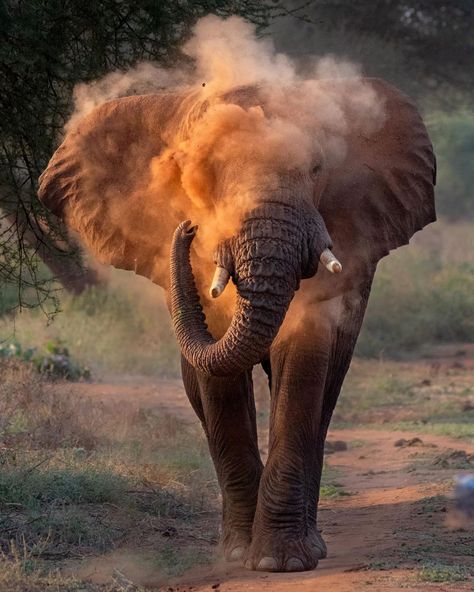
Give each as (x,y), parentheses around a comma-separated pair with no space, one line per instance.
(31,469)
(124,583)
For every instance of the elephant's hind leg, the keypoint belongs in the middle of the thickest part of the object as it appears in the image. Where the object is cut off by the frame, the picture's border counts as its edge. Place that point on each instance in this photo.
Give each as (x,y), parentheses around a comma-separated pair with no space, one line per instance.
(226,409)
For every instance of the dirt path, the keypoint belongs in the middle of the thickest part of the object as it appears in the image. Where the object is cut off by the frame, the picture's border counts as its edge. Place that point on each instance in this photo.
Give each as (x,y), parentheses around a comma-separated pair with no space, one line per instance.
(394,517)
(383,515)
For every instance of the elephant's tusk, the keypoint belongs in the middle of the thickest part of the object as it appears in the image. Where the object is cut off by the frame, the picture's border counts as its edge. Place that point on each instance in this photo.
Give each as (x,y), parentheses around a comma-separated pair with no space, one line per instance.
(330,262)
(219,282)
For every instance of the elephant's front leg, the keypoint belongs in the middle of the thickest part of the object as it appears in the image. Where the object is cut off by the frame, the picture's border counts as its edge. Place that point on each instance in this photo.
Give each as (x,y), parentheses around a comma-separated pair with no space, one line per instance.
(226,408)
(285,535)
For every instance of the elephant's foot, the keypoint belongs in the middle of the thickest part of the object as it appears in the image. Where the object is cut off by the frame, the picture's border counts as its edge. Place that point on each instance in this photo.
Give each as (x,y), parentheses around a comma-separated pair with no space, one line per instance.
(235,542)
(277,551)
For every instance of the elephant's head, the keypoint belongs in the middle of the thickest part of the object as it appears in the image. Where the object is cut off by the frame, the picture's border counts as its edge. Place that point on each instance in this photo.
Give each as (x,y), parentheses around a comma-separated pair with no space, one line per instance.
(368,203)
(279,242)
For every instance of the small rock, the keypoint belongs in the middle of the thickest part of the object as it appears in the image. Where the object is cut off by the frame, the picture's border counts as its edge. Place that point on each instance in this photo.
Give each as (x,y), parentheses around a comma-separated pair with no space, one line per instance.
(402,443)
(334,446)
(426,382)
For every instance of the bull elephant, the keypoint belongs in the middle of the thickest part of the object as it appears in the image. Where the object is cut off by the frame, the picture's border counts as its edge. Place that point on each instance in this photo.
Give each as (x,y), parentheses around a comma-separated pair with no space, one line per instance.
(121,180)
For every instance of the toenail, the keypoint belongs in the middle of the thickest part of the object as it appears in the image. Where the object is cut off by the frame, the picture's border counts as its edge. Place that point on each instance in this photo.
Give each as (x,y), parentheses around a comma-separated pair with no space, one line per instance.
(267,564)
(294,564)
(236,553)
(319,550)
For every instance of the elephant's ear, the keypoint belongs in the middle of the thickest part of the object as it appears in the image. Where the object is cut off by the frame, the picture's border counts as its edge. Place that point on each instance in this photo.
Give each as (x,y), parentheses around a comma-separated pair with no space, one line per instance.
(112,180)
(383,191)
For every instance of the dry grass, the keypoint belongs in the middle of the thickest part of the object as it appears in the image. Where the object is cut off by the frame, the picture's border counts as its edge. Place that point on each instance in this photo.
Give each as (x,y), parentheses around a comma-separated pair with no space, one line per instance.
(124,328)
(20,573)
(34,413)
(422,294)
(435,395)
(80,478)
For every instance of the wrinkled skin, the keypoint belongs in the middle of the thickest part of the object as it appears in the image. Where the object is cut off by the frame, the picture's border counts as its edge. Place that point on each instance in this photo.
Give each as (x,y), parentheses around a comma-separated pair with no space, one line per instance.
(291,315)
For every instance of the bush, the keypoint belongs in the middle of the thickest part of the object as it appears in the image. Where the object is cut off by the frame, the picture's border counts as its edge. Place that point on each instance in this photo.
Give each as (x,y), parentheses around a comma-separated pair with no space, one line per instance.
(124,328)
(422,294)
(57,363)
(453,139)
(34,488)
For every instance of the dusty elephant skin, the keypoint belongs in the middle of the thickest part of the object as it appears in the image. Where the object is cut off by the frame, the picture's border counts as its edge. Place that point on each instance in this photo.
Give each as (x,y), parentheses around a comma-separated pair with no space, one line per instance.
(290,315)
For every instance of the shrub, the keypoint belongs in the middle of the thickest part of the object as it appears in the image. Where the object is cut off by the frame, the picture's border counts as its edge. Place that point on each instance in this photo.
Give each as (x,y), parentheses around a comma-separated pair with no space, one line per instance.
(124,328)
(422,294)
(453,139)
(56,363)
(35,488)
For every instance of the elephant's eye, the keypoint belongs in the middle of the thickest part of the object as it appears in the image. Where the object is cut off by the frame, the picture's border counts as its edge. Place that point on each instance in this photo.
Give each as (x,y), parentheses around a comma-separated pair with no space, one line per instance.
(316,169)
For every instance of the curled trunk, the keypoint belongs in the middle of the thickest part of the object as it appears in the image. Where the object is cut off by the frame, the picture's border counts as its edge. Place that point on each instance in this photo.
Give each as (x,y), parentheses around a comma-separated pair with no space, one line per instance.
(266,256)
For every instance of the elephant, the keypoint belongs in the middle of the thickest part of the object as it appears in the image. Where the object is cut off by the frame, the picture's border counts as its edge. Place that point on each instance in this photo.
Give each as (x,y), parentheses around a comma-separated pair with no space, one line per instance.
(120,179)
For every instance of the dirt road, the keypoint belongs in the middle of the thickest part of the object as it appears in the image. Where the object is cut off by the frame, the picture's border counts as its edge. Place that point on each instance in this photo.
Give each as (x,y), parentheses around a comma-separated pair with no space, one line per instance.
(391,509)
(387,527)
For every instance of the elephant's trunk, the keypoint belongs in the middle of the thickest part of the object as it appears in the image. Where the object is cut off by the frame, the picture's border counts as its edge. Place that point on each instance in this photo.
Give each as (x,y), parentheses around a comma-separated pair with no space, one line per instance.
(267,262)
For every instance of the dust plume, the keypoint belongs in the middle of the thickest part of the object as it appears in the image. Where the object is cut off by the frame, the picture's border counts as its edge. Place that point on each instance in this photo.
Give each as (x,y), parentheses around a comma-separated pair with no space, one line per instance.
(145,78)
(221,154)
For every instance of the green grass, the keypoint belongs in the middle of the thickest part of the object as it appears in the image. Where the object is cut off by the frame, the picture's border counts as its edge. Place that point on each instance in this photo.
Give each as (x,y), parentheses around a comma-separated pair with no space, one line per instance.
(431,571)
(333,490)
(61,502)
(89,503)
(459,430)
(441,573)
(330,486)
(460,549)
(85,505)
(33,488)
(384,564)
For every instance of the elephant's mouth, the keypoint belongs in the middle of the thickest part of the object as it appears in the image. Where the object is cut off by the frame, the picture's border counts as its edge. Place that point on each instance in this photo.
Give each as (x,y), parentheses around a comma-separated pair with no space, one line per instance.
(276,247)
(222,275)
